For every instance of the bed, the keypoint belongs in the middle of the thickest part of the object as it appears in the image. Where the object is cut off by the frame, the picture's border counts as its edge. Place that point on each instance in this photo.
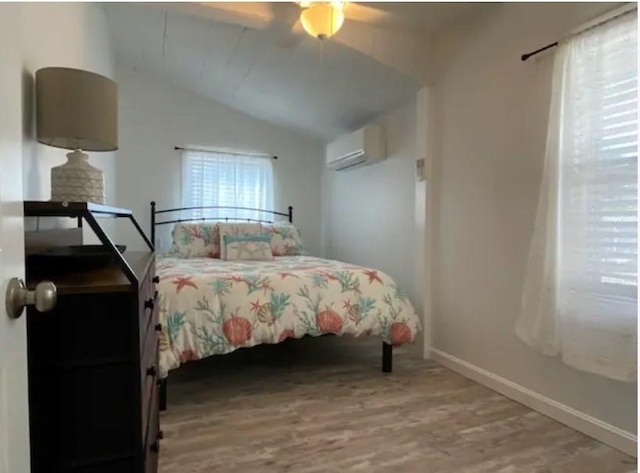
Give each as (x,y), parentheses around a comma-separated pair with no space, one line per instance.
(208,306)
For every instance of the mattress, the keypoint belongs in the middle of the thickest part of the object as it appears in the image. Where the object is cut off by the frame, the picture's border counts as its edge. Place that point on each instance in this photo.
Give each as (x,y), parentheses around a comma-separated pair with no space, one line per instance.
(209,306)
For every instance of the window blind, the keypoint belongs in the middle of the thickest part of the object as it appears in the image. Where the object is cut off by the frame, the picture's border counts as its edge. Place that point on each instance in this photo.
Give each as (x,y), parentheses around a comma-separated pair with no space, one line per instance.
(598,212)
(211,178)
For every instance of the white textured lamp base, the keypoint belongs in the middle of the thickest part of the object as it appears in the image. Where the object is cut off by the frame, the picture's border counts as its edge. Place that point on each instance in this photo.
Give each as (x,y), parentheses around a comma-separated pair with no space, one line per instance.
(77,180)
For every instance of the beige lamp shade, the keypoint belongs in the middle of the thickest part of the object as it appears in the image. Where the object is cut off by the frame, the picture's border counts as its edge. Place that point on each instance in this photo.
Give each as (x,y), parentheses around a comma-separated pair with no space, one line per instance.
(76,109)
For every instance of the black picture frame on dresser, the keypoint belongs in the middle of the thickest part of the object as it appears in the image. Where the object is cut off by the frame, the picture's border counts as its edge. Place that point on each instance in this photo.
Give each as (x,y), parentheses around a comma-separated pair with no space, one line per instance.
(93,360)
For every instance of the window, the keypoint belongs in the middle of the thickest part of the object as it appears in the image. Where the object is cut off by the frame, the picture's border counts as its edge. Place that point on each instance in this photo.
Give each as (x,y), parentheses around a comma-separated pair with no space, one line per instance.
(212,178)
(581,287)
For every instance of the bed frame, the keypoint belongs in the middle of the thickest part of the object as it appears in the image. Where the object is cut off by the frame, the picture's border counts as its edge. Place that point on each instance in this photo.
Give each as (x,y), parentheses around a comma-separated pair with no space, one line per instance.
(387,349)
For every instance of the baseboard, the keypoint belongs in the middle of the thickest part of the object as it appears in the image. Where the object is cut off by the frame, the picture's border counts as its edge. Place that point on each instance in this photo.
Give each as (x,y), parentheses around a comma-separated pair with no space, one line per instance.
(595,428)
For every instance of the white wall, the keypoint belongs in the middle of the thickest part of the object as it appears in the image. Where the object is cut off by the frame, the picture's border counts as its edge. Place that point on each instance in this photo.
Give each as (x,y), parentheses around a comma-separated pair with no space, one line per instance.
(370,210)
(68,35)
(492,116)
(155,116)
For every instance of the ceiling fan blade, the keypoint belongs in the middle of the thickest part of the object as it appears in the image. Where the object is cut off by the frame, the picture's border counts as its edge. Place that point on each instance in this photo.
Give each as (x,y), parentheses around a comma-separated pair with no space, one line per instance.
(254,15)
(284,12)
(285,25)
(369,14)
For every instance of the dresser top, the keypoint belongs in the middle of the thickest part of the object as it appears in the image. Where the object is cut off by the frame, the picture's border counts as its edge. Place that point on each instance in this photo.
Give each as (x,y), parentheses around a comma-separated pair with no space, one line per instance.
(36,208)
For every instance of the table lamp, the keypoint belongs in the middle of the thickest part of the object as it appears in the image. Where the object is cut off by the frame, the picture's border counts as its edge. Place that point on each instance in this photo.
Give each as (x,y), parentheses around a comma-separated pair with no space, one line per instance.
(76,110)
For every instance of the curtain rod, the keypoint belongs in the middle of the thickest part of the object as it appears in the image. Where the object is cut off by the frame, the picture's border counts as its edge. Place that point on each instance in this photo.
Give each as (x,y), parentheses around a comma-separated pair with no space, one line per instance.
(524,57)
(212,150)
(607,17)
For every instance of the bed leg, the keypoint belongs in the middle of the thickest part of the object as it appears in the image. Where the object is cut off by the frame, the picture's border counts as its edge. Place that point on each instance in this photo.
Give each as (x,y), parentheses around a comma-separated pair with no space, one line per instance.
(387,357)
(163,394)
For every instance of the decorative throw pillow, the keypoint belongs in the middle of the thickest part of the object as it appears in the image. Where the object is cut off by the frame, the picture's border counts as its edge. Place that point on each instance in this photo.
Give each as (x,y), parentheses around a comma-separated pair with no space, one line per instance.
(236,229)
(195,240)
(285,239)
(248,247)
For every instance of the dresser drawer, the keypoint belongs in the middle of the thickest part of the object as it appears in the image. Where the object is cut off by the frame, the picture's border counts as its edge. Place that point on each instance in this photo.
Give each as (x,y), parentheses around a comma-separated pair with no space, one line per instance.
(151,462)
(149,348)
(149,395)
(147,304)
(149,376)
(149,345)
(153,434)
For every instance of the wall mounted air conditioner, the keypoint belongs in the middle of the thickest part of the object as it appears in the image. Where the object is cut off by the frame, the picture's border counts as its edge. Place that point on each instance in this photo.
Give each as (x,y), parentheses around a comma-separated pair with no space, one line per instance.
(365,145)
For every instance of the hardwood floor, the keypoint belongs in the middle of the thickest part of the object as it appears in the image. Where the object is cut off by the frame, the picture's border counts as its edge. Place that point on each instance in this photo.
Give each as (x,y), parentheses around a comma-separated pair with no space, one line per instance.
(307,406)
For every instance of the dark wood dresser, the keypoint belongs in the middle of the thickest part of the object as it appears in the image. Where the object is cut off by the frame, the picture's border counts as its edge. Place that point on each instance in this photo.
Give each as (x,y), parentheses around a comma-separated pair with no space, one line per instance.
(93,369)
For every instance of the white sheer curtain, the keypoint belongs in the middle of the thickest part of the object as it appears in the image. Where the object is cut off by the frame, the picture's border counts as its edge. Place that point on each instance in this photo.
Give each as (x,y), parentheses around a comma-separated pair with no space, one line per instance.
(212,178)
(580,294)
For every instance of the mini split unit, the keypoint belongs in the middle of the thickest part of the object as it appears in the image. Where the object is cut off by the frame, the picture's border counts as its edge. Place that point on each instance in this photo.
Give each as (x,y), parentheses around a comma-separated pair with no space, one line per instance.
(361,147)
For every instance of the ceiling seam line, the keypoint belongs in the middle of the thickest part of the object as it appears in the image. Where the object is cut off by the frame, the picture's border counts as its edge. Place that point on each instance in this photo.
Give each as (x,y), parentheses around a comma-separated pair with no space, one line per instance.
(164,40)
(237,45)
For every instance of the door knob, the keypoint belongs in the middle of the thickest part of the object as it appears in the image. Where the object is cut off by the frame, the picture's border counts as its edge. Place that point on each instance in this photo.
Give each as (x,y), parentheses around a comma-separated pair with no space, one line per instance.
(43,297)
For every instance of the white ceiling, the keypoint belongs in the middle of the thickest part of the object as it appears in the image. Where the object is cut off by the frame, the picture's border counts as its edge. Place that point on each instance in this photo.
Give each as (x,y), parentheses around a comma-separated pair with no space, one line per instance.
(255,58)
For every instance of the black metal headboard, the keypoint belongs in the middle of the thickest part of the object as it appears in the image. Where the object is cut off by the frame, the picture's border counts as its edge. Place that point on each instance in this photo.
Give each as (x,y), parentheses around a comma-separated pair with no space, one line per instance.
(155,213)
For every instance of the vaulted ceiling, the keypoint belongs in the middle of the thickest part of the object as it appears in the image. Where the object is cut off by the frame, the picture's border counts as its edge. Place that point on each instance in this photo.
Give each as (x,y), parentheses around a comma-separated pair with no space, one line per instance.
(254,57)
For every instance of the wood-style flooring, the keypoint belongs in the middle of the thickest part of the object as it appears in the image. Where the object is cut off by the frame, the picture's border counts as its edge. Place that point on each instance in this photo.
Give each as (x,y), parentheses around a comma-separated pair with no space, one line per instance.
(319,406)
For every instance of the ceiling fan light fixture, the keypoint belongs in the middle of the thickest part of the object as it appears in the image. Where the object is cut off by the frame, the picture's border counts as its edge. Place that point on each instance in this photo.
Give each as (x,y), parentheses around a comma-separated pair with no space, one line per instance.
(322,19)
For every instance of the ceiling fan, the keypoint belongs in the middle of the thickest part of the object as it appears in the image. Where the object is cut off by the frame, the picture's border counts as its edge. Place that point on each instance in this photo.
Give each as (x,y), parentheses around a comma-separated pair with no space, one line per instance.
(290,22)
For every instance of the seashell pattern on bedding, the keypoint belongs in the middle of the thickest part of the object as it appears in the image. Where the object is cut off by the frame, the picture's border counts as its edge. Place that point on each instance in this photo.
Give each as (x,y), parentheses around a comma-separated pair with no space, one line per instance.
(210,306)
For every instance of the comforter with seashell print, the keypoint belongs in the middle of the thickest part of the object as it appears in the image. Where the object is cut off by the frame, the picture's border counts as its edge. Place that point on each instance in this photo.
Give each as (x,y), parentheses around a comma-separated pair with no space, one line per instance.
(209,307)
